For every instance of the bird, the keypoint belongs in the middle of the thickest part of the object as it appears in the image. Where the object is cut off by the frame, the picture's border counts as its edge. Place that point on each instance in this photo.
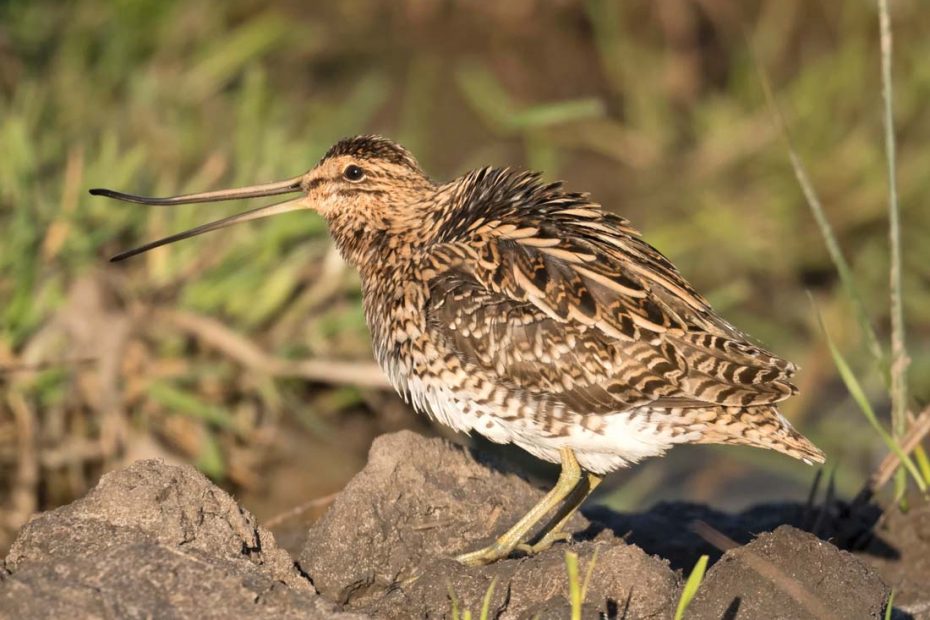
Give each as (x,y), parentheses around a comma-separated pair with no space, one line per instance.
(507,306)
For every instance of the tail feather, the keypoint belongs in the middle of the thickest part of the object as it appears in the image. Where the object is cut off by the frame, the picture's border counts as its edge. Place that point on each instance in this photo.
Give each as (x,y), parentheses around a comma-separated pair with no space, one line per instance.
(761,427)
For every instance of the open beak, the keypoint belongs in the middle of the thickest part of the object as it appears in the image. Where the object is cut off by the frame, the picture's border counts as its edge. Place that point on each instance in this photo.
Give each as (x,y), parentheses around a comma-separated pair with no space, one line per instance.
(255,191)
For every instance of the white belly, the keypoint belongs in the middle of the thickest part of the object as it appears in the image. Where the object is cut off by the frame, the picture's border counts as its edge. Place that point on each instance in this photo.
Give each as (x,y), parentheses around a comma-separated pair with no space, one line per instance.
(617,440)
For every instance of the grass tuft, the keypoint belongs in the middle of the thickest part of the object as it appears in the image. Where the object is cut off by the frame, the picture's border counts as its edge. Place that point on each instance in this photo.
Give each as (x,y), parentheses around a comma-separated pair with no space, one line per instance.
(894,368)
(577,588)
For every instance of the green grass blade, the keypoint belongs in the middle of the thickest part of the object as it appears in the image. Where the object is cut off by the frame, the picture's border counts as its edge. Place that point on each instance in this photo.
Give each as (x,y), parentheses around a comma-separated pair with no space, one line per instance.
(574,586)
(923,463)
(548,114)
(224,58)
(178,400)
(858,394)
(606,25)
(456,615)
(494,104)
(587,575)
(210,458)
(486,96)
(889,605)
(691,586)
(577,589)
(486,604)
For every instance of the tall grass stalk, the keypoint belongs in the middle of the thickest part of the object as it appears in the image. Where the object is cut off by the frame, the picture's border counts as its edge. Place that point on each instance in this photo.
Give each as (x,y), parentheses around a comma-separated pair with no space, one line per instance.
(899,359)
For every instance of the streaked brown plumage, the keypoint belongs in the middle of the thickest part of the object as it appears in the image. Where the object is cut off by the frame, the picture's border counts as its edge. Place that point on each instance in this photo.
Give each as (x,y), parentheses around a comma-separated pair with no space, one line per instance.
(506,306)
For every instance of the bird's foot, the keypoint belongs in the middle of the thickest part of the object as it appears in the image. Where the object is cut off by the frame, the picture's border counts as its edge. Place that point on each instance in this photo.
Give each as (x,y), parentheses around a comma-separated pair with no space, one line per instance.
(512,538)
(501,549)
(487,555)
(544,543)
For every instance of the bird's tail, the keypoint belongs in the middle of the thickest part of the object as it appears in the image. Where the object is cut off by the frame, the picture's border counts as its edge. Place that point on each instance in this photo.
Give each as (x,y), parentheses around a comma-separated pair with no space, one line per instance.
(762,427)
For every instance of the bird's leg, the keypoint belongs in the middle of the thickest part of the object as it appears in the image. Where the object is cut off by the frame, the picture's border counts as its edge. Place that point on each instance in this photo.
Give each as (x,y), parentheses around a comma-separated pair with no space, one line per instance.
(569,478)
(554,532)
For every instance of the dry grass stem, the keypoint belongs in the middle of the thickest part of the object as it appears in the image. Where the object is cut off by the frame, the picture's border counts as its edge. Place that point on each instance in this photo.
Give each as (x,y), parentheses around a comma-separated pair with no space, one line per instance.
(899,359)
(220,337)
(915,434)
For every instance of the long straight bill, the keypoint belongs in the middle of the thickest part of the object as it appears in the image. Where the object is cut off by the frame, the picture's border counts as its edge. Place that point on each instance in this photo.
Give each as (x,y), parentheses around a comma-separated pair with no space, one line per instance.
(294,204)
(253,191)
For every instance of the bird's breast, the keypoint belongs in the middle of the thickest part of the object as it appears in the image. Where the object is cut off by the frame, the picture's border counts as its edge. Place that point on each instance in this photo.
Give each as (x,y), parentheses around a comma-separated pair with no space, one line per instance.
(394,306)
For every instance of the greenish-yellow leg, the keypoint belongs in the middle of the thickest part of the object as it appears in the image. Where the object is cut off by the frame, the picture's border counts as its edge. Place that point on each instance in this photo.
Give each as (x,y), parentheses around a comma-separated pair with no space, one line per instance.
(554,531)
(503,546)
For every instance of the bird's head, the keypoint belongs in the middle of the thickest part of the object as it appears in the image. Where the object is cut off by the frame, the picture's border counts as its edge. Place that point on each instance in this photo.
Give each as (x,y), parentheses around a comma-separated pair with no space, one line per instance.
(364,187)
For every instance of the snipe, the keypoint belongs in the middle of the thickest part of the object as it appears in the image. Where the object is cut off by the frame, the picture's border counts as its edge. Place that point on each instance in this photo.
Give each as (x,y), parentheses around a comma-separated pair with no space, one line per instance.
(515,309)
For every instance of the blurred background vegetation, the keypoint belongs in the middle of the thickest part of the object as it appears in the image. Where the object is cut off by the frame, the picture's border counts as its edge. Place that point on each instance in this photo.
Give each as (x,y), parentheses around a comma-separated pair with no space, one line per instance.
(245,352)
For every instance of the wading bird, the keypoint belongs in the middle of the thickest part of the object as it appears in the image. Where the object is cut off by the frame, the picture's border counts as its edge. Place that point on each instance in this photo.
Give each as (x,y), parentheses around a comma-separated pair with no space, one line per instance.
(506,306)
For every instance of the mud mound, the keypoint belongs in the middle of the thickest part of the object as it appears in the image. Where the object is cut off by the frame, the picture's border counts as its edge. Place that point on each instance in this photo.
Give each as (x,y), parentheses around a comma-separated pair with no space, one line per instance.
(789,574)
(155,540)
(386,544)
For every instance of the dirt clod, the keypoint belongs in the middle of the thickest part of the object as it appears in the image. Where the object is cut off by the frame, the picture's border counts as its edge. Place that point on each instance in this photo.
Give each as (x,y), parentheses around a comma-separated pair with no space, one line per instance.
(156,540)
(790,574)
(385,546)
(153,540)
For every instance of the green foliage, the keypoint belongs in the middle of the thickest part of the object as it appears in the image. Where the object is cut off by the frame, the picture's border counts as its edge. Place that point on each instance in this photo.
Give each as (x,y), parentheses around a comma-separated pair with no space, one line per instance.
(691,586)
(894,370)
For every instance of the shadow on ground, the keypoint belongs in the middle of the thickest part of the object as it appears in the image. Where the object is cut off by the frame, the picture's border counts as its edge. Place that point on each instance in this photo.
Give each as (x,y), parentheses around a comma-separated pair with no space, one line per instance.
(160,540)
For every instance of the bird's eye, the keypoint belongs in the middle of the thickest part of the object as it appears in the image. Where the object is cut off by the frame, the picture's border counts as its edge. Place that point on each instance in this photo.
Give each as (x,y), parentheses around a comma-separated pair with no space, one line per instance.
(353,173)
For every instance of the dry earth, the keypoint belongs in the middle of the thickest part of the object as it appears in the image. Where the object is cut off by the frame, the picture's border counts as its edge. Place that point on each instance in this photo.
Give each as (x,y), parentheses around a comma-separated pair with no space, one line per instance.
(157,540)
